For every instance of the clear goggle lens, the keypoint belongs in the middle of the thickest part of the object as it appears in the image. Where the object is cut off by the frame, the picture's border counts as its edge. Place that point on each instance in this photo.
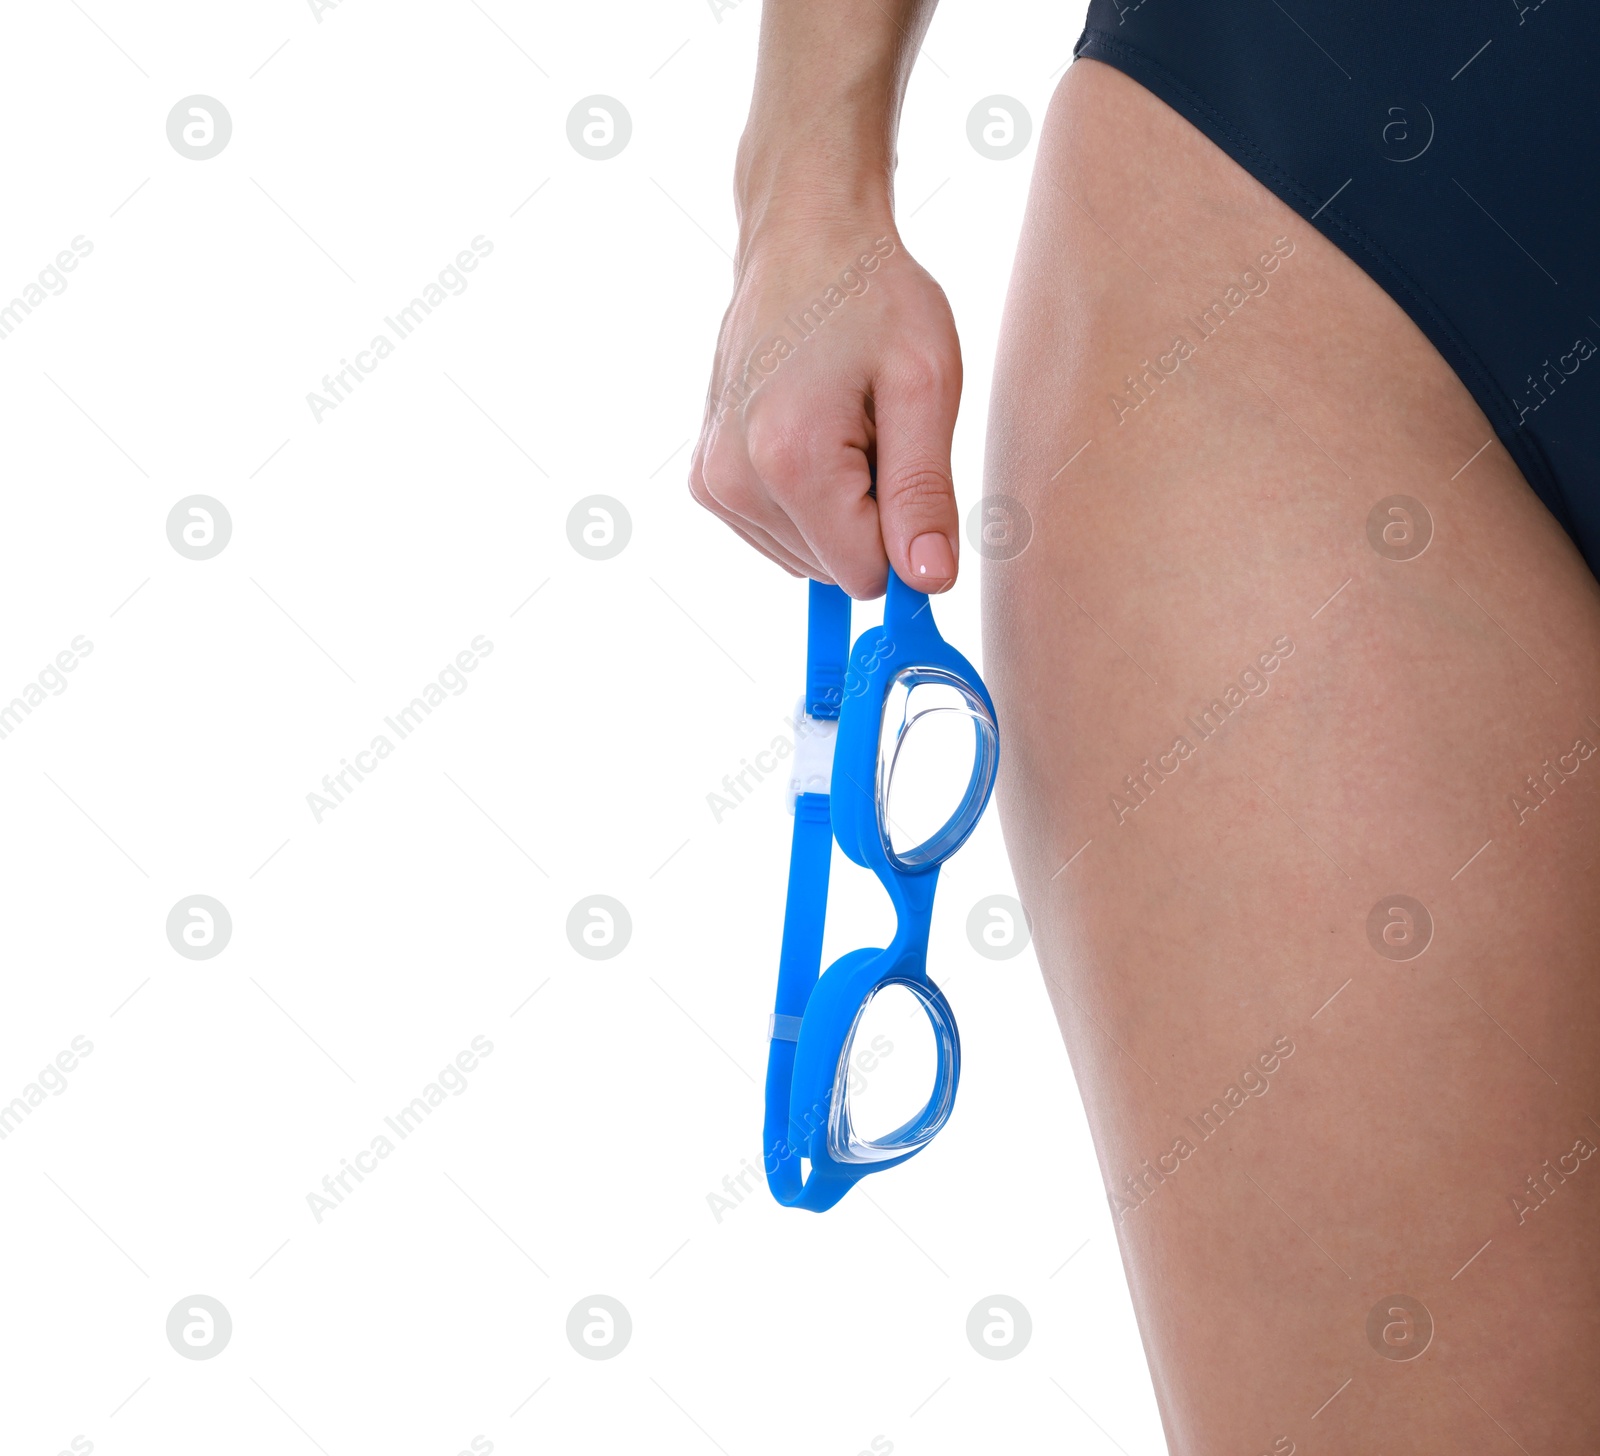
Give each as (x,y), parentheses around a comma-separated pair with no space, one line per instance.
(896,1079)
(938,748)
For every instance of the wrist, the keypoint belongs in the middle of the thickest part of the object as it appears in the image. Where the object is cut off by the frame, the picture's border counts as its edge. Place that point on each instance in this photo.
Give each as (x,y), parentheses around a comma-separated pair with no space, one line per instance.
(816,151)
(812,186)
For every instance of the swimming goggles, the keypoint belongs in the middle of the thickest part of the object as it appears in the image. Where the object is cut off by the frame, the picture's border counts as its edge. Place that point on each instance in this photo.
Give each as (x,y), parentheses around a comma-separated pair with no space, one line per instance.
(860,712)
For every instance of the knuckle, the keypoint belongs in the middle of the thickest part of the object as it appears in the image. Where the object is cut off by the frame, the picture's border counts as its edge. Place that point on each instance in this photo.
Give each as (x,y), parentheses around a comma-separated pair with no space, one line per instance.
(863,583)
(859,566)
(921,487)
(928,373)
(781,456)
(723,480)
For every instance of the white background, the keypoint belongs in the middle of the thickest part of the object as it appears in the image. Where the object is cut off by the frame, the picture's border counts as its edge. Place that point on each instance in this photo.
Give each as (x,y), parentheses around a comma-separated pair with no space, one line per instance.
(369,147)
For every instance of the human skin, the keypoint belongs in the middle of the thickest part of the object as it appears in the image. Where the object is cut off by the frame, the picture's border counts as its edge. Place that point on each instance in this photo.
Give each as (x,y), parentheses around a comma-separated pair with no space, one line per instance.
(1190,927)
(1226,903)
(786,464)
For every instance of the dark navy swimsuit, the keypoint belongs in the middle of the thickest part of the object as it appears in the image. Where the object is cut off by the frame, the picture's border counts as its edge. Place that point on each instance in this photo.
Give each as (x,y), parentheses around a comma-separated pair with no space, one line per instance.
(1452,150)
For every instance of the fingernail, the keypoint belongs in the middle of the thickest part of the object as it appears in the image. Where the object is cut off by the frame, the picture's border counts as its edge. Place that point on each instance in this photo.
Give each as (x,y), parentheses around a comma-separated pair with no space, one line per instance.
(932,560)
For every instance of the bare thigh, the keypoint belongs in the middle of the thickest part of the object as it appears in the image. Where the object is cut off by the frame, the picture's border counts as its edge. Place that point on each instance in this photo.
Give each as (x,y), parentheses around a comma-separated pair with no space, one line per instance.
(1301,791)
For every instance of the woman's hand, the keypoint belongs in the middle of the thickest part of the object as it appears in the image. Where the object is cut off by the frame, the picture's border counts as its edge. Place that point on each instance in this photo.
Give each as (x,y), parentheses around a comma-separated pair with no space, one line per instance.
(838,351)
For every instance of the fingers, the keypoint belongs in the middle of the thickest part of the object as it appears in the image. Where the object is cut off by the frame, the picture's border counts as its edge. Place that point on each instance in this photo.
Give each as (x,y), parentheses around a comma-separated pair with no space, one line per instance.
(795,480)
(769,548)
(722,479)
(783,455)
(915,400)
(739,485)
(813,468)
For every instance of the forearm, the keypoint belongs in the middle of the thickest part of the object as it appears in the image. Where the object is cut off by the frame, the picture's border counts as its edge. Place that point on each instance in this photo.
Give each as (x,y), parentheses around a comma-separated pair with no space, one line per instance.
(820,140)
(800,414)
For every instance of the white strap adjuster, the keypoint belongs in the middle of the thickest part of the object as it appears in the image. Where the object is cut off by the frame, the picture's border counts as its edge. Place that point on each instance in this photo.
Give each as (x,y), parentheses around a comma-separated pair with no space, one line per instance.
(812,769)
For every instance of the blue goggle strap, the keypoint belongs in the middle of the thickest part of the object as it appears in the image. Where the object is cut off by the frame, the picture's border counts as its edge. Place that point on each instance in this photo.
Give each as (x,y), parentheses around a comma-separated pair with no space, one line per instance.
(799,966)
(827,649)
(806,907)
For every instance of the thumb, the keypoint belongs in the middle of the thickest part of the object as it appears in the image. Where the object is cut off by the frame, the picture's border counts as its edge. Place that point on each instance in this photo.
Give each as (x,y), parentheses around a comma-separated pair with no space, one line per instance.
(914,411)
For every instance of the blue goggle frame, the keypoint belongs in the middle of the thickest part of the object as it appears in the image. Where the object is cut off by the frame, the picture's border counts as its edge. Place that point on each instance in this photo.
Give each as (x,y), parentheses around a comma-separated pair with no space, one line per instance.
(815,1017)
